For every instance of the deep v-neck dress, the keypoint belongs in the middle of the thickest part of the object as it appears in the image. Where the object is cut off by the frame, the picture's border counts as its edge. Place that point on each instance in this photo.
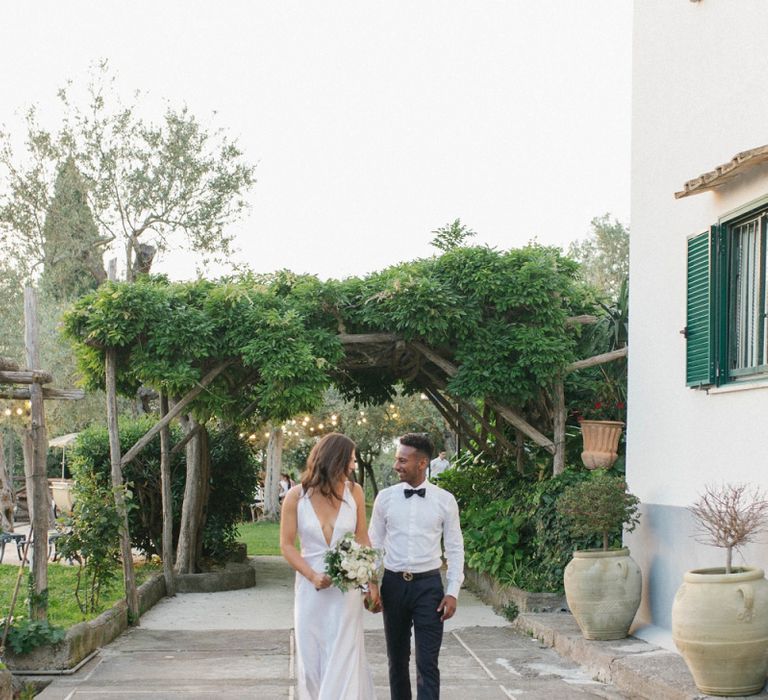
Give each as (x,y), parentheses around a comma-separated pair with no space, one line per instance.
(330,654)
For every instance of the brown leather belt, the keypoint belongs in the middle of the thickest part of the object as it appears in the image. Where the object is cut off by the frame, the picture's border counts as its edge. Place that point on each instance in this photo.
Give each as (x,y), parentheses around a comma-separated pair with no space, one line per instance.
(408,576)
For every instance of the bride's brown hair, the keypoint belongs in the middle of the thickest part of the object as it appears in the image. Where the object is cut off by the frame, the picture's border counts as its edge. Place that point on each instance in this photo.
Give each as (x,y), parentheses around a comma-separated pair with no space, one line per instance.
(327,464)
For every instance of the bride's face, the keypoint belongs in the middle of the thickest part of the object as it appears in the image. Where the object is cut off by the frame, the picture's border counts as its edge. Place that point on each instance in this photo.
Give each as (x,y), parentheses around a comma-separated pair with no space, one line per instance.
(352,465)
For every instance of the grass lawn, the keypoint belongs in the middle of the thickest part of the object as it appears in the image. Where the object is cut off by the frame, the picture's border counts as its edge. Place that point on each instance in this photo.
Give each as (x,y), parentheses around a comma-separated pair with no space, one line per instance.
(264,537)
(260,537)
(62,605)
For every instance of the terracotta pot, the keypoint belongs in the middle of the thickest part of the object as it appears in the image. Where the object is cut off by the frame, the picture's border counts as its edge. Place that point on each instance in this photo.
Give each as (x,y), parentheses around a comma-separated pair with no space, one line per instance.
(603,591)
(720,626)
(601,442)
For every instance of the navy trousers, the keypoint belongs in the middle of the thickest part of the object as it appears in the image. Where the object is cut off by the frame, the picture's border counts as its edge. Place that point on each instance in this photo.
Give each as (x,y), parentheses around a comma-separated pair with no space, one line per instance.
(412,604)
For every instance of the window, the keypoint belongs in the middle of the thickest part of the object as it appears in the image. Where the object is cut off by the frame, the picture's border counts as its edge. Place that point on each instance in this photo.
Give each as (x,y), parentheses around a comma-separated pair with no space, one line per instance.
(726,331)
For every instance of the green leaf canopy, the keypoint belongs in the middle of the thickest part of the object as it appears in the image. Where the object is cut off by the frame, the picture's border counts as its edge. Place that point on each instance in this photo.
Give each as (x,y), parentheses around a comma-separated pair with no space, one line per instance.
(500,317)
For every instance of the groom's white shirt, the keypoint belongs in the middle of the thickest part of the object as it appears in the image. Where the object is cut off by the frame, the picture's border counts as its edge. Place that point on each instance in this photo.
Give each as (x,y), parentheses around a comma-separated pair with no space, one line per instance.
(409,531)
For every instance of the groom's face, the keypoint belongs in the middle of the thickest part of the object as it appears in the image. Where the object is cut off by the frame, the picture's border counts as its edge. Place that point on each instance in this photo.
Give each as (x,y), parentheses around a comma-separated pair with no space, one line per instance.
(410,465)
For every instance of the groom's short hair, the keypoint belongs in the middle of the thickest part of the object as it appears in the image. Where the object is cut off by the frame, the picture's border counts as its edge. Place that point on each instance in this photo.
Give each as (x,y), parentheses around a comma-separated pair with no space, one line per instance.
(420,442)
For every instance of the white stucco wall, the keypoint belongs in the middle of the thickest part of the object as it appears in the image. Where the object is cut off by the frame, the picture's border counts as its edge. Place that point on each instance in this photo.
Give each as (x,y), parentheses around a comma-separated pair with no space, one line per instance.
(700,95)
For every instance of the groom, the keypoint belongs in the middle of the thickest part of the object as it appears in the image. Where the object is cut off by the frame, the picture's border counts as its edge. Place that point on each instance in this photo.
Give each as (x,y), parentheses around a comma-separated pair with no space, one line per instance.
(408,522)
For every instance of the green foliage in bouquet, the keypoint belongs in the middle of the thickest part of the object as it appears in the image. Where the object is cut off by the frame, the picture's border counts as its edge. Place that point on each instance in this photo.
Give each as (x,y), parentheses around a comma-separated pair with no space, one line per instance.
(351,565)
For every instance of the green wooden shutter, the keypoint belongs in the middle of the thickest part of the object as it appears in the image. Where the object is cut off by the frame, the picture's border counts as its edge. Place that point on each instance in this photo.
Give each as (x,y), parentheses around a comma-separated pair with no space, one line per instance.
(700,356)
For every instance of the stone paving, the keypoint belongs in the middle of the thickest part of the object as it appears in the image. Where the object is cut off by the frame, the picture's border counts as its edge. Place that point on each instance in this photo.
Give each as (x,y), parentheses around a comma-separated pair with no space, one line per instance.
(239,644)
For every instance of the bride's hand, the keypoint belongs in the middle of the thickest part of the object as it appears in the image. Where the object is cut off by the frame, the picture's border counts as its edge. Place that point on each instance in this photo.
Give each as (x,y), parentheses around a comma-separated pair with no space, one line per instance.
(320,581)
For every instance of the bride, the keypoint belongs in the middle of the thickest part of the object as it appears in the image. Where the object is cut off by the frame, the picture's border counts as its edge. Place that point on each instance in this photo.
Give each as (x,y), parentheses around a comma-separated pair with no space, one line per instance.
(331,661)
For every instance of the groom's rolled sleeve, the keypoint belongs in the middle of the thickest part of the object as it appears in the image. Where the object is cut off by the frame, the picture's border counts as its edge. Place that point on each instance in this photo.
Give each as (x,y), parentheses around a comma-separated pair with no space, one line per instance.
(453,541)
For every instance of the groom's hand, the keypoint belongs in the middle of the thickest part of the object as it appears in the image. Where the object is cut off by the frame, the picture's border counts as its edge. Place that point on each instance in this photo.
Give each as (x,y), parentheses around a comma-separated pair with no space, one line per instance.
(373,601)
(447,607)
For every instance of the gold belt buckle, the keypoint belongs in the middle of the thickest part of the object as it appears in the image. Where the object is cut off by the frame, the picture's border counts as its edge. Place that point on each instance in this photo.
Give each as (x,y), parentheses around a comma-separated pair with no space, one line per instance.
(407,575)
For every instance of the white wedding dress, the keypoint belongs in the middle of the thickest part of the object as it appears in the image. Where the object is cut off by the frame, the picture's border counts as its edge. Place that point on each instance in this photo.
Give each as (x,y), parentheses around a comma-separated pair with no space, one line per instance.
(330,650)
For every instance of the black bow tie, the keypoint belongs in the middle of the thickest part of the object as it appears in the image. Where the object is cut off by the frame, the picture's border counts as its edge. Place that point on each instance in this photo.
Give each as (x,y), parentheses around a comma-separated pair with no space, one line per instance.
(419,492)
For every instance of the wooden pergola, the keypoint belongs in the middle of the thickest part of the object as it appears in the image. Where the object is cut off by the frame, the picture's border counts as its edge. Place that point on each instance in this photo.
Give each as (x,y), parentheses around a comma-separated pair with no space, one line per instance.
(431,371)
(30,384)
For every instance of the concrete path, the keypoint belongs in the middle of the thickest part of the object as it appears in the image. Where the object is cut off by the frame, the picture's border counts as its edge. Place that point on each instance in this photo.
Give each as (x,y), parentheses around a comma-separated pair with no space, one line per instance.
(239,644)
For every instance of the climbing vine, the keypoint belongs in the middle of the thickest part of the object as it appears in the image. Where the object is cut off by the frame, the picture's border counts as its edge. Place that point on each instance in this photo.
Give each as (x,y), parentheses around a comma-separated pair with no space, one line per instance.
(499,316)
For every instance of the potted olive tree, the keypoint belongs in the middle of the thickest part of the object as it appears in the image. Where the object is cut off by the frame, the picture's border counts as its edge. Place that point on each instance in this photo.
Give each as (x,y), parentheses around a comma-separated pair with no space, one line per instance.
(602,586)
(720,615)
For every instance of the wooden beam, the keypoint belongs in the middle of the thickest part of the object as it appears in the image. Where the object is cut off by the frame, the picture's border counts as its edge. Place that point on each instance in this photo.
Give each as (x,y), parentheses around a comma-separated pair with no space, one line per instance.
(482,419)
(598,359)
(439,400)
(515,420)
(49,393)
(487,427)
(25,376)
(181,444)
(453,419)
(362,338)
(8,364)
(584,319)
(447,367)
(175,411)
(559,410)
(506,413)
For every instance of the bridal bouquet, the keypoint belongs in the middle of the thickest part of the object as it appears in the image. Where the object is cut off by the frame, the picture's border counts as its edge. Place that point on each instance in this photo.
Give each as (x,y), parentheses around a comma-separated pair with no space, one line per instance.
(351,565)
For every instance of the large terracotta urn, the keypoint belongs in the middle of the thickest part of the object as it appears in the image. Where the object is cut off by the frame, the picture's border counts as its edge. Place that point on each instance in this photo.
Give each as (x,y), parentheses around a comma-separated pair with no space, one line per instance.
(600,442)
(720,626)
(603,591)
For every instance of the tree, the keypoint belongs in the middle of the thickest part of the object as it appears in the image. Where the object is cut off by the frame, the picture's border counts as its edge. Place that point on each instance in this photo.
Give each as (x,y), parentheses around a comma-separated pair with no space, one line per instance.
(149,186)
(72,247)
(604,255)
(453,235)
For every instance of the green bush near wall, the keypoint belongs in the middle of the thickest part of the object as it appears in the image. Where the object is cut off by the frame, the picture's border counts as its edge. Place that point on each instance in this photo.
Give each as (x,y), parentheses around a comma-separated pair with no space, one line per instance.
(512,530)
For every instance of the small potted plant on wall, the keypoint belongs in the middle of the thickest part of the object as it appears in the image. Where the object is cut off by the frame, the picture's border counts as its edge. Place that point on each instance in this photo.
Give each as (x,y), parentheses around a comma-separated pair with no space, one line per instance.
(720,615)
(602,586)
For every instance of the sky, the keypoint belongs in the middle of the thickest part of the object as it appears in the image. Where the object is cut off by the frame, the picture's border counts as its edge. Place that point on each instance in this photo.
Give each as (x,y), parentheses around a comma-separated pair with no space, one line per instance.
(371,123)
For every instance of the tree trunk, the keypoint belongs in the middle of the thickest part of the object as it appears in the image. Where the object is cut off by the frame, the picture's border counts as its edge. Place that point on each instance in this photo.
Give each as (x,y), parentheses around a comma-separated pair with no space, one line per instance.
(520,450)
(35,453)
(6,492)
(187,548)
(204,451)
(131,595)
(372,477)
(559,411)
(165,484)
(272,475)
(360,469)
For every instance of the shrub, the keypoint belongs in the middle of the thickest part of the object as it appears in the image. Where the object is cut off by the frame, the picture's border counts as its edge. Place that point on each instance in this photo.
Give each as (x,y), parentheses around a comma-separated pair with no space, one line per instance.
(600,505)
(232,481)
(25,635)
(512,529)
(90,538)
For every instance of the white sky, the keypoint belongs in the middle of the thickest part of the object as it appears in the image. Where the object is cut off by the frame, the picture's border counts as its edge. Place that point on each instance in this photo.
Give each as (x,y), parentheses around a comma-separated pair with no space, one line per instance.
(372,123)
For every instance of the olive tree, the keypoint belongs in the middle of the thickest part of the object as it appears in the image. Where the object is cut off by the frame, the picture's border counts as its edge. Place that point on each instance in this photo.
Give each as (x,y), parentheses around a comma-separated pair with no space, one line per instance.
(149,185)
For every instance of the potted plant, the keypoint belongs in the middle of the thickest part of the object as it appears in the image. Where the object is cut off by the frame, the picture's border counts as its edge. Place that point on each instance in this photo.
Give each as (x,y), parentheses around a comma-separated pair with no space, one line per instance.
(602,586)
(720,615)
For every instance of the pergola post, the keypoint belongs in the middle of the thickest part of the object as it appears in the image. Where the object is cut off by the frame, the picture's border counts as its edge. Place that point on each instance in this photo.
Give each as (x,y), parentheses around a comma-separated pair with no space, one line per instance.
(131,595)
(35,453)
(167,500)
